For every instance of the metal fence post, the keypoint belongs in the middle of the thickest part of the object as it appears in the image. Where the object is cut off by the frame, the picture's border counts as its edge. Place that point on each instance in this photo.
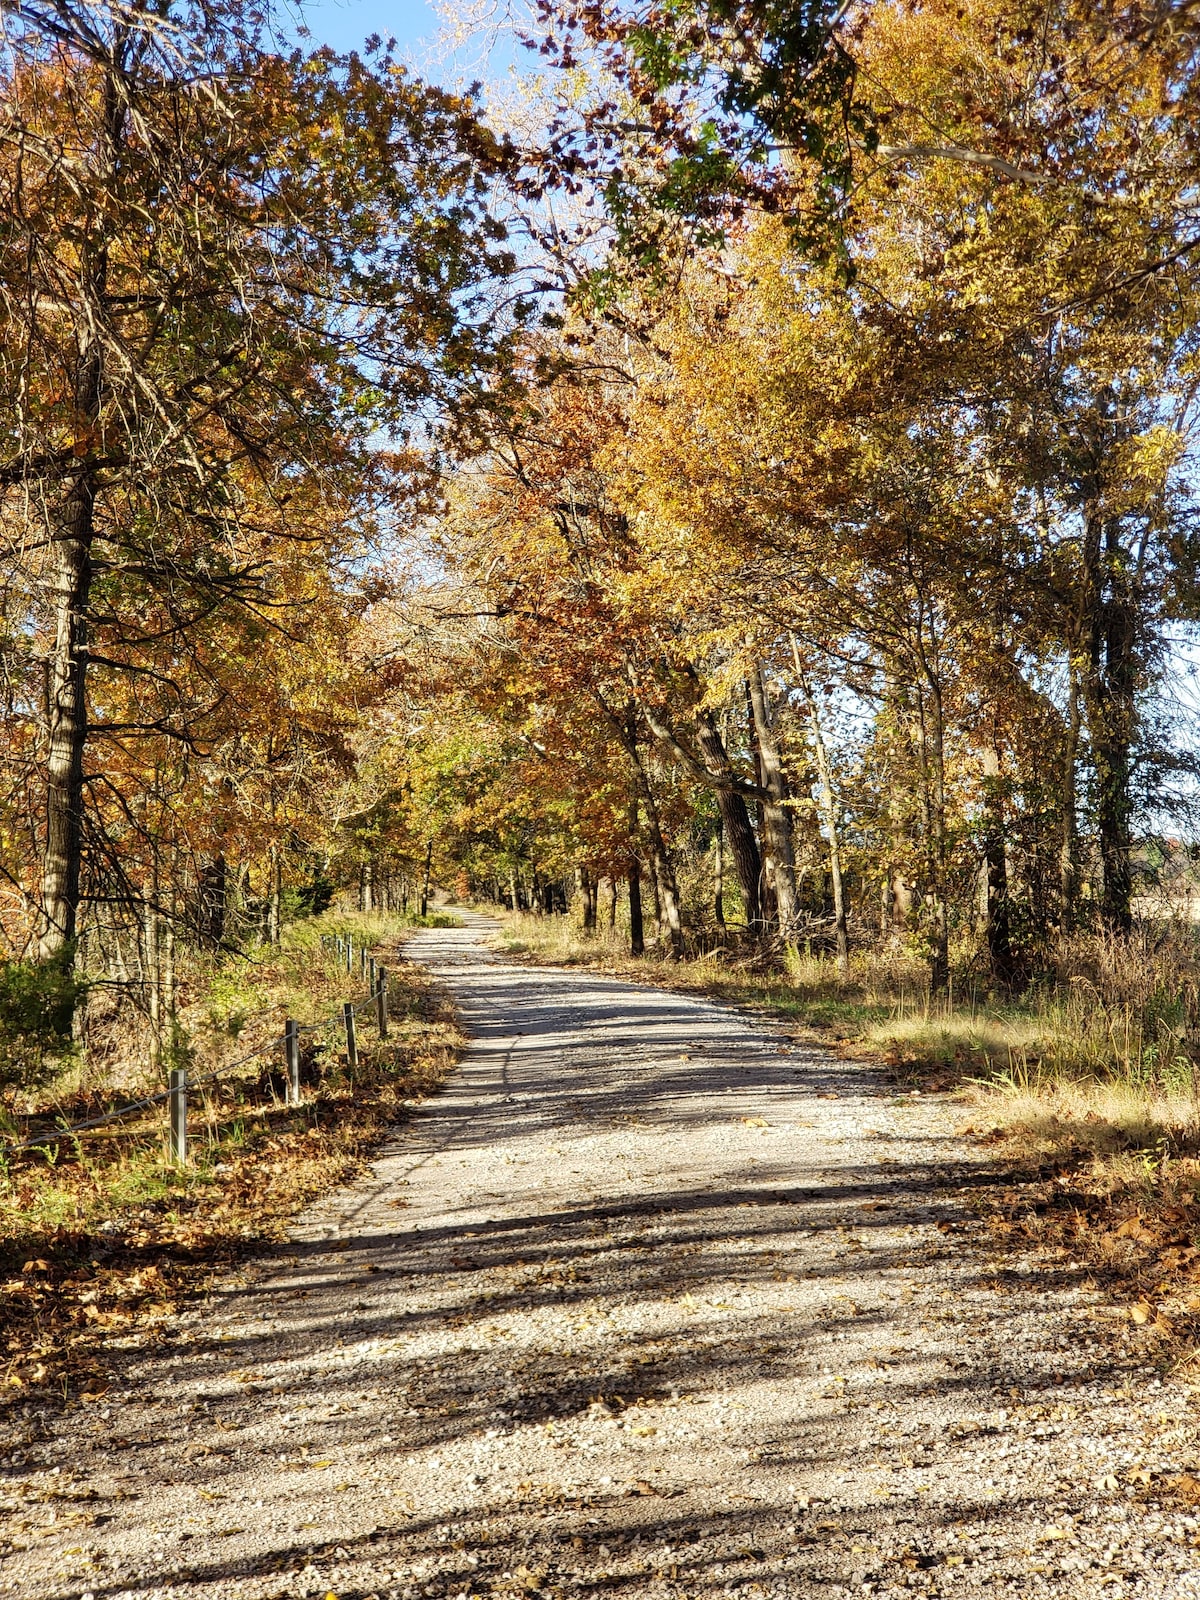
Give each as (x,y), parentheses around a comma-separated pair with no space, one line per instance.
(178,1113)
(349,954)
(291,1050)
(351,1036)
(381,1001)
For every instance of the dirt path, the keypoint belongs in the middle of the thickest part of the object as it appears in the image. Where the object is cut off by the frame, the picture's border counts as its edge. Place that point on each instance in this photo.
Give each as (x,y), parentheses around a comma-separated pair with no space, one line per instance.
(648,1302)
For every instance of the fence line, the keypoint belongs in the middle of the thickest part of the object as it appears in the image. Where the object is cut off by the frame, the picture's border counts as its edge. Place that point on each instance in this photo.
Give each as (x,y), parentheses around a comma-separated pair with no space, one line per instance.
(175,1096)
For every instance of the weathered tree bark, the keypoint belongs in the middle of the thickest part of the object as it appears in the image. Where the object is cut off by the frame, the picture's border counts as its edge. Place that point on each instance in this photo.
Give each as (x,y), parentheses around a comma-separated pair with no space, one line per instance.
(766,875)
(662,871)
(777,816)
(212,892)
(637,933)
(655,895)
(612,902)
(900,900)
(366,891)
(719,873)
(829,810)
(668,885)
(999,936)
(735,817)
(67,716)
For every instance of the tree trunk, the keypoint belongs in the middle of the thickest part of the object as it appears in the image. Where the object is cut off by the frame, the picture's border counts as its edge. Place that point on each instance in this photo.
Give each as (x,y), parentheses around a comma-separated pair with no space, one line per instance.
(668,897)
(71,542)
(719,874)
(153,968)
(170,987)
(274,896)
(426,876)
(612,902)
(67,719)
(1114,750)
(637,932)
(931,760)
(735,817)
(212,894)
(589,889)
(1109,690)
(829,808)
(655,895)
(777,816)
(999,938)
(662,872)
(1068,854)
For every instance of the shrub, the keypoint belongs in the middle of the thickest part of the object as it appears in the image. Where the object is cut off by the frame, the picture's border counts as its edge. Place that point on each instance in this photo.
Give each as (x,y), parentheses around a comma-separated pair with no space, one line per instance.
(37,1003)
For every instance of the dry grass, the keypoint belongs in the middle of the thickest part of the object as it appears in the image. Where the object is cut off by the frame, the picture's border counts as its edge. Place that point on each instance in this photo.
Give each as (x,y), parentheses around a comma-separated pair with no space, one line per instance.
(99,1237)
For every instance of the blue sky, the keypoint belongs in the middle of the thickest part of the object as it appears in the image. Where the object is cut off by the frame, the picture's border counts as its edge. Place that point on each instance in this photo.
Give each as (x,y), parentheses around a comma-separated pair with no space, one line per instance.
(344,24)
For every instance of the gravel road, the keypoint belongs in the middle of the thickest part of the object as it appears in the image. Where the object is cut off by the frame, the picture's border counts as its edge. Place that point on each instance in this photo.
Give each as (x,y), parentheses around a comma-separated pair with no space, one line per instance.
(649,1301)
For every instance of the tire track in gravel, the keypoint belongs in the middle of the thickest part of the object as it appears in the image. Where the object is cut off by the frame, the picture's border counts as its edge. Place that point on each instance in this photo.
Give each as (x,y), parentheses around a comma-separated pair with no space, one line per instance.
(648,1302)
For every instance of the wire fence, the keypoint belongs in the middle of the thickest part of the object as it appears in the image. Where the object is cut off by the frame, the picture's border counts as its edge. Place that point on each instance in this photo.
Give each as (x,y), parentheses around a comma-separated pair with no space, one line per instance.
(180,1085)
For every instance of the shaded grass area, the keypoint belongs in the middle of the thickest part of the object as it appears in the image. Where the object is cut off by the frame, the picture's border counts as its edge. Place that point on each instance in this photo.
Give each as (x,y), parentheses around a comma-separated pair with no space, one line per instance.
(100,1236)
(1086,1089)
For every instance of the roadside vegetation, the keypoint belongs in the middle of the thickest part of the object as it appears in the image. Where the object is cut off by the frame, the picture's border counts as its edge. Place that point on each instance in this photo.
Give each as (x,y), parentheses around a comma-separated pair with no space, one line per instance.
(100,1235)
(1084,1089)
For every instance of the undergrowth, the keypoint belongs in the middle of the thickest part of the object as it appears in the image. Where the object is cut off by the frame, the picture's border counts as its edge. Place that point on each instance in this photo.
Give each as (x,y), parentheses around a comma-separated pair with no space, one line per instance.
(100,1236)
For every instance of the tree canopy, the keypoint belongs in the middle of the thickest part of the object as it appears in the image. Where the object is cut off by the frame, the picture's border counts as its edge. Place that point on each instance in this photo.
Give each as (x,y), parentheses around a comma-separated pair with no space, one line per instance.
(817,572)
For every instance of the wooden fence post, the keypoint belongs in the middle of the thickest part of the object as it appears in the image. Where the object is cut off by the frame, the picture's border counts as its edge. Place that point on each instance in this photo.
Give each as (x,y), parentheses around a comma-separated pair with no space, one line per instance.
(381,1002)
(351,1036)
(372,975)
(291,1050)
(349,954)
(177,1102)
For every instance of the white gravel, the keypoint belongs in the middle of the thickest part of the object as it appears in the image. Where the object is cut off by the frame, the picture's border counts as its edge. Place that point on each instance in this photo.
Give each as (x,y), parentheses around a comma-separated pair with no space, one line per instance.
(649,1301)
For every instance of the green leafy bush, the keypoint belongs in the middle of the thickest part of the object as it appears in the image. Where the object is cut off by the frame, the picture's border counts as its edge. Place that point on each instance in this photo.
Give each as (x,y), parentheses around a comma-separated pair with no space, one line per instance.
(37,1003)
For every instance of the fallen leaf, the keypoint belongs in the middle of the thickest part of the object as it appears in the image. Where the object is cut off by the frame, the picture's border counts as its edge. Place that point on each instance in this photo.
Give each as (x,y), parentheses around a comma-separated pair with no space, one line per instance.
(1135,1228)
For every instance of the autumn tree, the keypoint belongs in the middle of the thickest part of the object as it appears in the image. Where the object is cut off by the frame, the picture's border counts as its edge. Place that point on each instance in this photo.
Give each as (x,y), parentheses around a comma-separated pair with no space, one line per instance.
(226,273)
